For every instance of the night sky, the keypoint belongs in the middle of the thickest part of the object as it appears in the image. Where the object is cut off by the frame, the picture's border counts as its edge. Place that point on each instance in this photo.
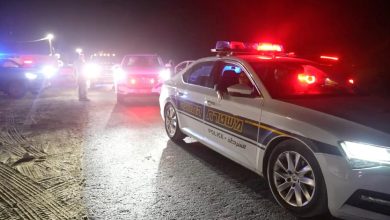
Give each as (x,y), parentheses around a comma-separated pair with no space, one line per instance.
(358,31)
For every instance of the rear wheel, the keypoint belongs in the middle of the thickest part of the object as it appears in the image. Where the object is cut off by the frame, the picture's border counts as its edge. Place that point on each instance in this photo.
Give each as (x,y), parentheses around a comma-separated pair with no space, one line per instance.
(296,180)
(172,124)
(17,89)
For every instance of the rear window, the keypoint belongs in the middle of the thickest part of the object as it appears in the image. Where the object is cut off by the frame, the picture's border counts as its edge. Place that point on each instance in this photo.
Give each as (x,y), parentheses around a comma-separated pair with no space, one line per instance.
(142,61)
(298,79)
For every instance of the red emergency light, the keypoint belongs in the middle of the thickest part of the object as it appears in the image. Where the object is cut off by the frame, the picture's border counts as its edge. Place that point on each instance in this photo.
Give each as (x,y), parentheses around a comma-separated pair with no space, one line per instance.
(269,47)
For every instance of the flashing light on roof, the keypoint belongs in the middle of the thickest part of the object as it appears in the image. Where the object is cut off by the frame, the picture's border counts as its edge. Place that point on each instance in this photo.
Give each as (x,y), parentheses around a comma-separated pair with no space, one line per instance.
(245,47)
(329,58)
(305,78)
(269,47)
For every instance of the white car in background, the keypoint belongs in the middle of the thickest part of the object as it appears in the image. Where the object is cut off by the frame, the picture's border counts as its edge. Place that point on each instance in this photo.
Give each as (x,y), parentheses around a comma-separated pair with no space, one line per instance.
(320,145)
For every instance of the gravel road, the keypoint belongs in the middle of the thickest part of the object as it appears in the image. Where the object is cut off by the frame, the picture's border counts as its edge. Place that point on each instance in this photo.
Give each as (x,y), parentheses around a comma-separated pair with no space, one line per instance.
(65,159)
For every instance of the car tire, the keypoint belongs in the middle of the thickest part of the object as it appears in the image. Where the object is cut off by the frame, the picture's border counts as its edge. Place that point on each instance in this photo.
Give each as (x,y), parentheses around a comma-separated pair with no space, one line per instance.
(17,89)
(300,186)
(171,124)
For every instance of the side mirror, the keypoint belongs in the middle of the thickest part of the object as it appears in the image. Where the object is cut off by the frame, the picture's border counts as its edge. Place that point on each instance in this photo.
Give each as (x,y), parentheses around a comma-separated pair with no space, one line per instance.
(240,90)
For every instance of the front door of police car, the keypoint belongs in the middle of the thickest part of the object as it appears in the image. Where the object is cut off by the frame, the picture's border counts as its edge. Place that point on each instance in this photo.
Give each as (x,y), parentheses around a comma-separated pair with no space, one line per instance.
(198,81)
(232,119)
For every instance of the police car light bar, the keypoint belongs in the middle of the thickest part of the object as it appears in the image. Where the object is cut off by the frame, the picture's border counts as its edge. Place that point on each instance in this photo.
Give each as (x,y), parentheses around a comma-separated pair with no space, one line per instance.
(269,47)
(241,47)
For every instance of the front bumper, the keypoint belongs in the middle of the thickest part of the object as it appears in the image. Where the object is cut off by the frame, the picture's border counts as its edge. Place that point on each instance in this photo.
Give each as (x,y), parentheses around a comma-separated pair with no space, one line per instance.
(355,194)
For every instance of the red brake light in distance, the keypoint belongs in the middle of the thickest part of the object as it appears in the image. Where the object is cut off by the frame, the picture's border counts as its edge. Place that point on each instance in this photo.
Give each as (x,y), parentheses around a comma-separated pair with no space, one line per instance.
(269,47)
(304,78)
(351,81)
(329,58)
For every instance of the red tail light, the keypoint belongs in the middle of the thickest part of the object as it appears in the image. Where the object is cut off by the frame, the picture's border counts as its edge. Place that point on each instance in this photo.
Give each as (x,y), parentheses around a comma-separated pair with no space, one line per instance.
(305,78)
(27,61)
(351,81)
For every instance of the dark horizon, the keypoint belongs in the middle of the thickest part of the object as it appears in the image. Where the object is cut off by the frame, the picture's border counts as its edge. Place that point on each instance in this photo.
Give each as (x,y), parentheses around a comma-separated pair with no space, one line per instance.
(354,30)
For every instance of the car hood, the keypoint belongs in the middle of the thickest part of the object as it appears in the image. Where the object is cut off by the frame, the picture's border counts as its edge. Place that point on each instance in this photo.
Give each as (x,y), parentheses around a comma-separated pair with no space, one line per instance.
(373,112)
(142,70)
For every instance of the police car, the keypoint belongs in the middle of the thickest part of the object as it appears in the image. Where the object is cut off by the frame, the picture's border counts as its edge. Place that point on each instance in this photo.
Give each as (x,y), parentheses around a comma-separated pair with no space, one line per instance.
(16,80)
(321,145)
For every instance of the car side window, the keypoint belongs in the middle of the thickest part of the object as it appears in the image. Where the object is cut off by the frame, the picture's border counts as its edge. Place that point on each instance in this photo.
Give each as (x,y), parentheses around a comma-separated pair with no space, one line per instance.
(201,75)
(230,75)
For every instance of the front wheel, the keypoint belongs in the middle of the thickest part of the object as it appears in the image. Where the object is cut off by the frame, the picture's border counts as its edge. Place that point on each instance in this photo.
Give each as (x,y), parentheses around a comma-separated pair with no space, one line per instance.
(172,124)
(296,180)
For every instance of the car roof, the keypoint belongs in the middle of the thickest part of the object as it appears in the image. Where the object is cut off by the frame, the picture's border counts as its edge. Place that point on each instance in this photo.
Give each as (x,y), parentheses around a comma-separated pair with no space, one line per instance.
(259,58)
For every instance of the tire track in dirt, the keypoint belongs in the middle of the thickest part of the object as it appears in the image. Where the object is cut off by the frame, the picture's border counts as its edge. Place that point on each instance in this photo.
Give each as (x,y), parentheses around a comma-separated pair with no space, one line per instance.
(33,201)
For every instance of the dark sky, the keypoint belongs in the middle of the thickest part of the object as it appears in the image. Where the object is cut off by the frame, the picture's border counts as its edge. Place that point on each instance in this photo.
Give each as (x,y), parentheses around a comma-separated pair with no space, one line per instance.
(357,30)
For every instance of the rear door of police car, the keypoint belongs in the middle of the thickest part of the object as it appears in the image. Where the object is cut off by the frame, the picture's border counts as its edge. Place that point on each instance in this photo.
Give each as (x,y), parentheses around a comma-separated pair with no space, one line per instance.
(232,120)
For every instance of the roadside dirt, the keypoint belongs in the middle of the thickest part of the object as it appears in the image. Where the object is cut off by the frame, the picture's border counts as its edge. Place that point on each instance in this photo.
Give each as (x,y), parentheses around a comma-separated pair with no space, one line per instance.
(40,156)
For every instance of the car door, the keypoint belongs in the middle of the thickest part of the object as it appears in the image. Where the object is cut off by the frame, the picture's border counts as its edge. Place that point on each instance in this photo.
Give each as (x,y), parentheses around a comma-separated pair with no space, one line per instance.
(233,120)
(190,96)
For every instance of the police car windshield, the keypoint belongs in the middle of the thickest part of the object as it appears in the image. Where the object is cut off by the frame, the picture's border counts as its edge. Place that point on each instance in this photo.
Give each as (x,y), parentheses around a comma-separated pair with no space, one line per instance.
(142,61)
(300,79)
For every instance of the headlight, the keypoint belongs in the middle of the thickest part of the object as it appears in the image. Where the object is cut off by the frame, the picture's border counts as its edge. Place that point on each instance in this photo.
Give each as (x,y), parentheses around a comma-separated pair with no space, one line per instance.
(165,74)
(119,74)
(365,155)
(30,76)
(49,71)
(92,70)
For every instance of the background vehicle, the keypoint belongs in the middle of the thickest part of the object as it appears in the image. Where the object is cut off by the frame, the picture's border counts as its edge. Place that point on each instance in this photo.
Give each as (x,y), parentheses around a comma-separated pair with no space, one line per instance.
(288,119)
(99,69)
(16,80)
(139,75)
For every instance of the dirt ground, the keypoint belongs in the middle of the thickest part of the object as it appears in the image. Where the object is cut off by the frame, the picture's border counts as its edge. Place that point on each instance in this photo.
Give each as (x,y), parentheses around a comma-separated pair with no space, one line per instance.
(40,156)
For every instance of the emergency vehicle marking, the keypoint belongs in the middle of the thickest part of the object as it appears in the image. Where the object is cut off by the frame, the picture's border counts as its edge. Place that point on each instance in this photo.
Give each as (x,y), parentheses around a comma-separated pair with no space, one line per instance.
(191,108)
(260,134)
(225,120)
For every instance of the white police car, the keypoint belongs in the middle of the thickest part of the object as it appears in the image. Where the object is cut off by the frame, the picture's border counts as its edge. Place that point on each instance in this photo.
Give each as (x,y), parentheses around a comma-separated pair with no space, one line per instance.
(320,145)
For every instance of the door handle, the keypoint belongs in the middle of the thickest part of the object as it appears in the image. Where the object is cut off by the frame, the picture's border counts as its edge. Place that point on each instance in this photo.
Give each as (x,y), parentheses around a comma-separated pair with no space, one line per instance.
(208,102)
